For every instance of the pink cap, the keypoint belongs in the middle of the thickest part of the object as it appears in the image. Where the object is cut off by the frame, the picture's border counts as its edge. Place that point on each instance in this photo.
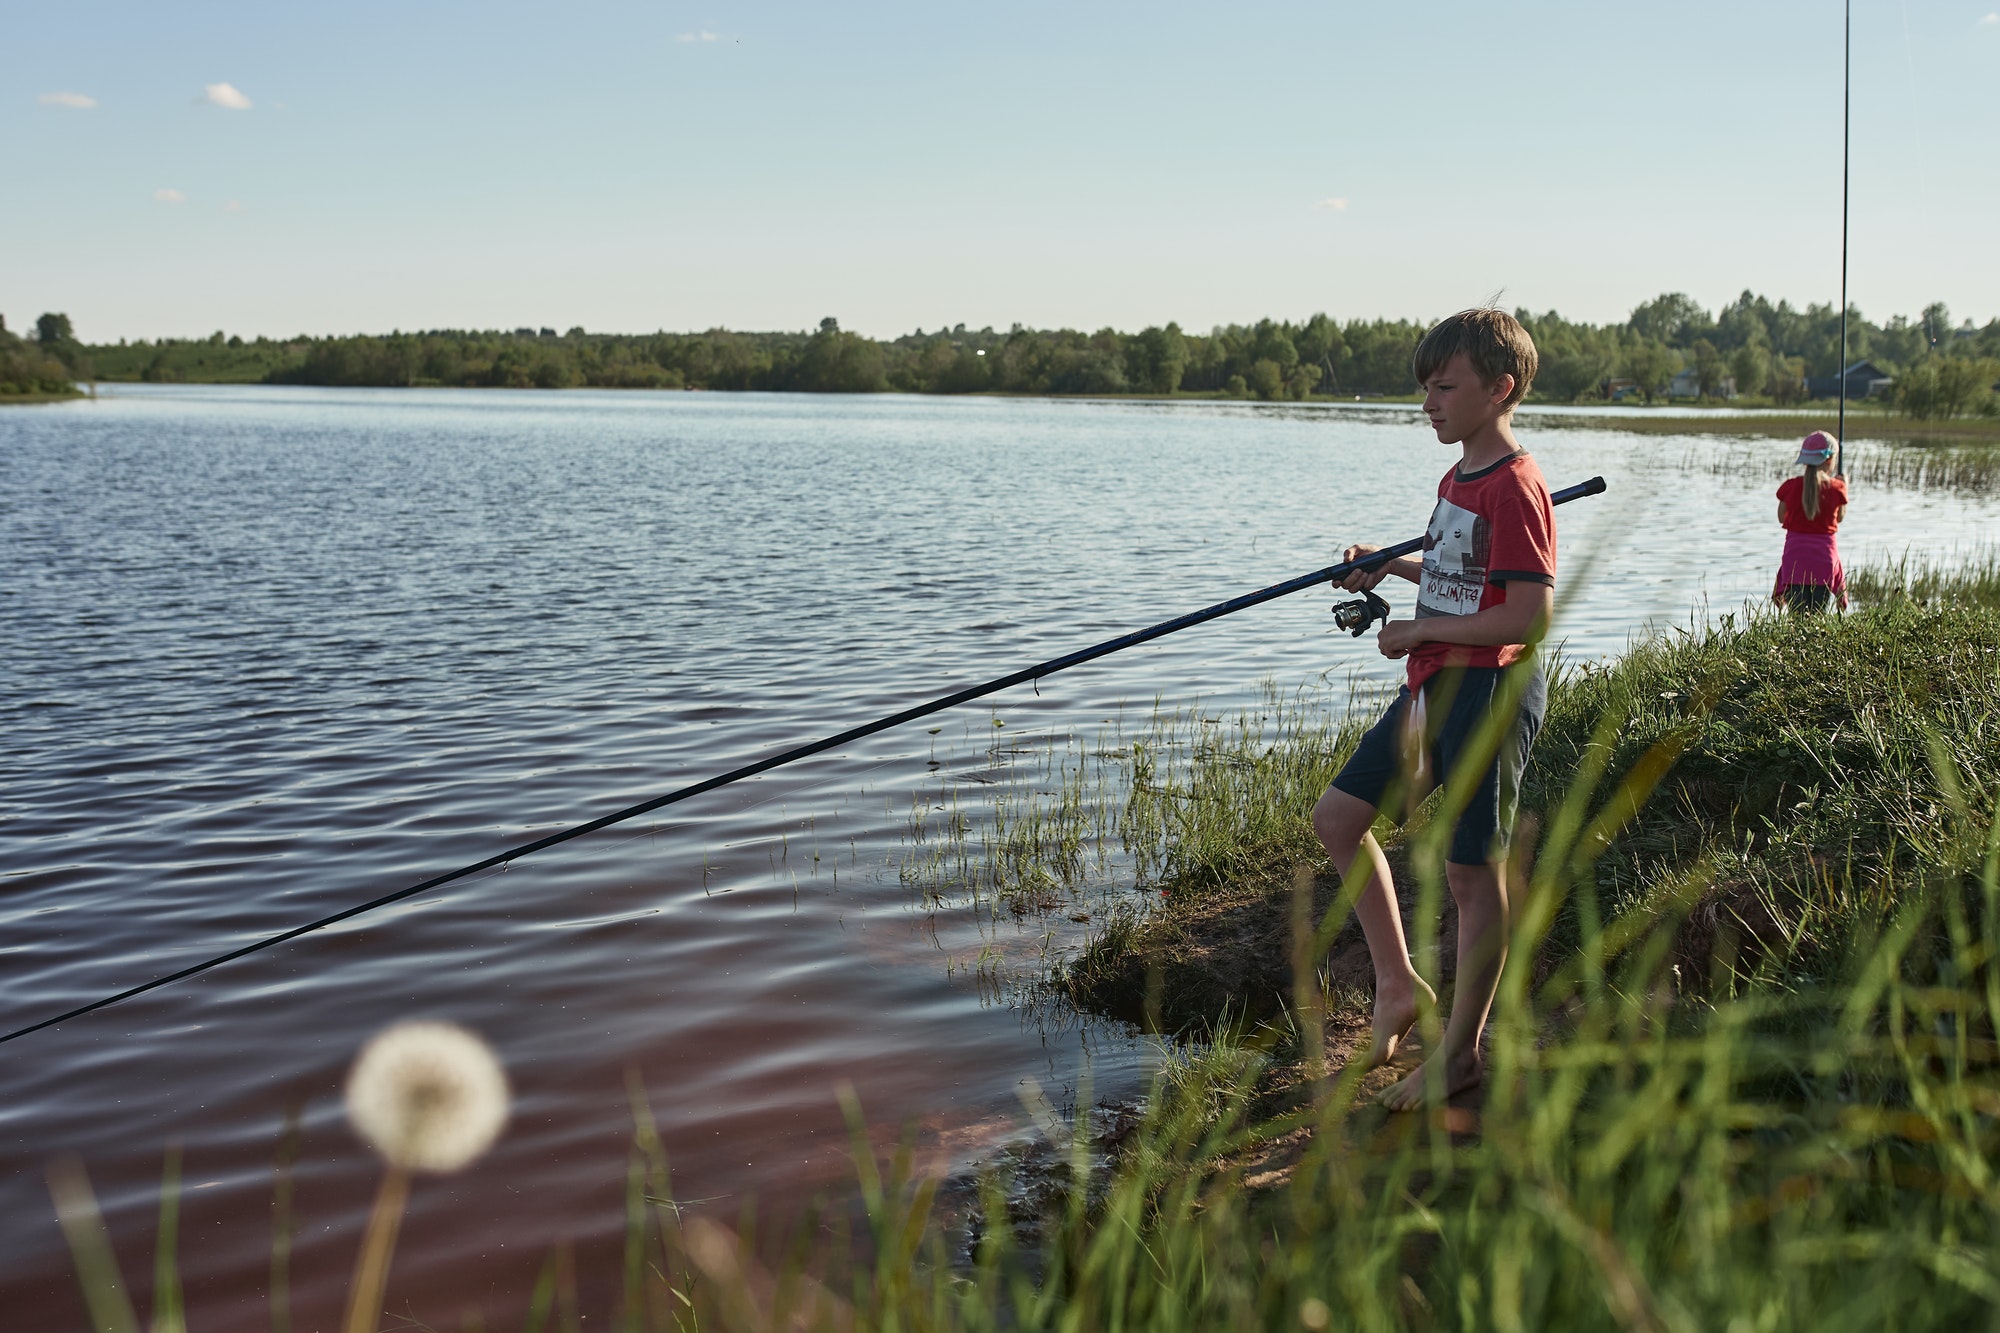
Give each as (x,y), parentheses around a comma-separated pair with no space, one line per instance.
(1817,447)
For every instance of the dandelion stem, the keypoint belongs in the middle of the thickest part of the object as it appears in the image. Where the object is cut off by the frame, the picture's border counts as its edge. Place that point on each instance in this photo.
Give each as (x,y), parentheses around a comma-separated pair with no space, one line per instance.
(371,1268)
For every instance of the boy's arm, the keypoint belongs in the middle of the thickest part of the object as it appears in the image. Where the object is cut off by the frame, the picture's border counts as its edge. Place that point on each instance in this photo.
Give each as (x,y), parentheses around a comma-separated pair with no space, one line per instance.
(1401,567)
(1522,618)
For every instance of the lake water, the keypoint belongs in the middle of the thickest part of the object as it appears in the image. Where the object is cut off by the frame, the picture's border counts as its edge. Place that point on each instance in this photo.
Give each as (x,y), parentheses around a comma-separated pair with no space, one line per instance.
(269,652)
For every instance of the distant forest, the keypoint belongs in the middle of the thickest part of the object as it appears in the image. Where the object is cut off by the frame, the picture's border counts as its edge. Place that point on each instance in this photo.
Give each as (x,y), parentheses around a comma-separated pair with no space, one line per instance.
(1757,349)
(34,367)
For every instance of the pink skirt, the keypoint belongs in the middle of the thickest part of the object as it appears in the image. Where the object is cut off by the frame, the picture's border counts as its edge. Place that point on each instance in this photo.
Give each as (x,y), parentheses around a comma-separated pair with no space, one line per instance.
(1811,560)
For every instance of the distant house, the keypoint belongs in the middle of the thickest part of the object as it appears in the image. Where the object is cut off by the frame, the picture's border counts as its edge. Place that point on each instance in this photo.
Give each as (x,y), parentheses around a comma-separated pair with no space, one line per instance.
(1687,384)
(1864,379)
(1618,390)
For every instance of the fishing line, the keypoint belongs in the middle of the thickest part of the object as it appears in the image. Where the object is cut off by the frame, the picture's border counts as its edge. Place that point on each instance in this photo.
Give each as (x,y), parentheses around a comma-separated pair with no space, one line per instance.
(1916,116)
(1367,563)
(1917,153)
(1846,84)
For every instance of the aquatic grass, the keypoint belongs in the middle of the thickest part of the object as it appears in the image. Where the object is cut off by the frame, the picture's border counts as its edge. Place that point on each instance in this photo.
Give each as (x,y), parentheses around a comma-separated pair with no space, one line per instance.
(1862,424)
(169,1316)
(1225,840)
(1933,465)
(97,1269)
(1918,464)
(1217,798)
(1025,834)
(90,1249)
(1051,817)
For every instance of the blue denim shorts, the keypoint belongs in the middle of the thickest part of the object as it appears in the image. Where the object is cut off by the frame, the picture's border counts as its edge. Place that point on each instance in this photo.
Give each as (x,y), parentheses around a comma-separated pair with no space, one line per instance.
(1455,704)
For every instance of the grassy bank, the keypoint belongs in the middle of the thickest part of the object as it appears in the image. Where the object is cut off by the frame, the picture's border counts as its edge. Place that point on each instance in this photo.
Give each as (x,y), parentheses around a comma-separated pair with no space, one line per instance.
(1974,581)
(1799,763)
(7,399)
(1744,1070)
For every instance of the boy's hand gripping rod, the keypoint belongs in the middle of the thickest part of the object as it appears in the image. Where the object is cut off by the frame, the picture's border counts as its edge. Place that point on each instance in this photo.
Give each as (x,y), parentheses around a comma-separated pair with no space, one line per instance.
(1373,560)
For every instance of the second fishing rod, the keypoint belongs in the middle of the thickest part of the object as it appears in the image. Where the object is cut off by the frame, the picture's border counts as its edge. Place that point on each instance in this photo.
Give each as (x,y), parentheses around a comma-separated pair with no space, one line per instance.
(1354,616)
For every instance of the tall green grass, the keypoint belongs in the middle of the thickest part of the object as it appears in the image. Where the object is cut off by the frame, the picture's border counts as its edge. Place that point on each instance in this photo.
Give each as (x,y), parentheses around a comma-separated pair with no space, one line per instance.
(1808,767)
(1801,765)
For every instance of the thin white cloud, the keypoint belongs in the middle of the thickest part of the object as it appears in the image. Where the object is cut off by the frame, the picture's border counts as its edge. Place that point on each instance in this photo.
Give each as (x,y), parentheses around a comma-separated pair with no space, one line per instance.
(75,101)
(703,36)
(1330,206)
(224,95)
(233,206)
(1990,18)
(168,195)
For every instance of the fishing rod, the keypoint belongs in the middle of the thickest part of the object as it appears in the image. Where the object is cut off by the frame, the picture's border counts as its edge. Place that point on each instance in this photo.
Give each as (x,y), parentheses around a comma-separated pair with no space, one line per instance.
(1846,83)
(1372,561)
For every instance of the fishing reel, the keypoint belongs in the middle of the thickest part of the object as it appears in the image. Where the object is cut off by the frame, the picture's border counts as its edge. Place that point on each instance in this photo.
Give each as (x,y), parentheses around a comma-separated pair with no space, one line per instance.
(1358,615)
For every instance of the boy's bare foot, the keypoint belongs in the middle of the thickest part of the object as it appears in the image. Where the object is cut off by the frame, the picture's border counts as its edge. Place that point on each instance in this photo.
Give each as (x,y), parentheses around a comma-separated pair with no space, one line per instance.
(1463,1070)
(1393,1020)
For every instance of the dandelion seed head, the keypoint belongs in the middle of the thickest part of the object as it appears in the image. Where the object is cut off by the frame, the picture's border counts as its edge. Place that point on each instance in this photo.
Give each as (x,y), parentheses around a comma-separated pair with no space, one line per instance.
(428,1096)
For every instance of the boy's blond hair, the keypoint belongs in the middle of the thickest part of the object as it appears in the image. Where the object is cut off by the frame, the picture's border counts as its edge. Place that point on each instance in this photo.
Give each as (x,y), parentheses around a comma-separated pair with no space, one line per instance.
(1492,340)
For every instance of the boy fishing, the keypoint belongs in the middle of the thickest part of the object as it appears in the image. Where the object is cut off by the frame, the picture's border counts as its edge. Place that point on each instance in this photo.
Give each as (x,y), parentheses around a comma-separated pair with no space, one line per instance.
(1486,585)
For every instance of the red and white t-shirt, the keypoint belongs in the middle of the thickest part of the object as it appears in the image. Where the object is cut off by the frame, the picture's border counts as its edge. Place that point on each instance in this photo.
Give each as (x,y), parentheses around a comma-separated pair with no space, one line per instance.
(1490,528)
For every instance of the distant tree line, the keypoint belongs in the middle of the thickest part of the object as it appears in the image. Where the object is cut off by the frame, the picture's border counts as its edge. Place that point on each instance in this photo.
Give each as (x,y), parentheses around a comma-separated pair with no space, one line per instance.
(1764,351)
(50,363)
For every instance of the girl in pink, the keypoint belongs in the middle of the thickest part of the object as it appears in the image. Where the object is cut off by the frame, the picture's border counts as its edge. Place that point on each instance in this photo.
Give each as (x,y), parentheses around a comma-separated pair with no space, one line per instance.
(1810,507)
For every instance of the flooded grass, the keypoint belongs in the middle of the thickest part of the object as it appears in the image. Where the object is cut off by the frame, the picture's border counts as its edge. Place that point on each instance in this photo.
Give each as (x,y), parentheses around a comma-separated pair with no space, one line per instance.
(1940,465)
(1863,424)
(1029,830)
(1212,797)
(1969,466)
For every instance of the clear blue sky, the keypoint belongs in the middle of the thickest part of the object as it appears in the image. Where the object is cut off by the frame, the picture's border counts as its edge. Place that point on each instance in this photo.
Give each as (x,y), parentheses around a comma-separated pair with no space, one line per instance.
(632,166)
